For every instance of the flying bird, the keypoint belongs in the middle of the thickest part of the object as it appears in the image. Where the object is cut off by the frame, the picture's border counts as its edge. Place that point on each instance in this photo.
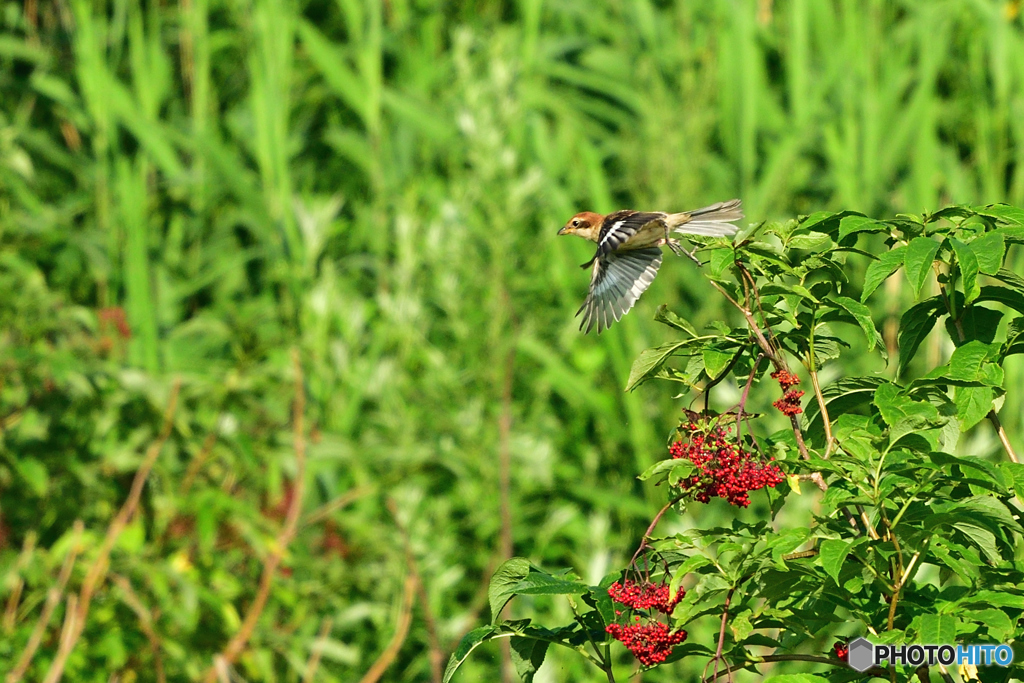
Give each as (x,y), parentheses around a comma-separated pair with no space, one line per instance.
(629,252)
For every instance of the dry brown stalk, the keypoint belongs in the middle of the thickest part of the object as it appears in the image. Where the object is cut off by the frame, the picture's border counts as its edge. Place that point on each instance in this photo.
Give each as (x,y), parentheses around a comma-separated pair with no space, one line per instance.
(53,597)
(387,657)
(313,663)
(97,571)
(133,601)
(291,523)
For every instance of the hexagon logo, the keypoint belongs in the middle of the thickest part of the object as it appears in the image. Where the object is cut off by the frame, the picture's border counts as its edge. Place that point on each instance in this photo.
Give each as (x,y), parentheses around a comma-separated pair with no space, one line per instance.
(862,654)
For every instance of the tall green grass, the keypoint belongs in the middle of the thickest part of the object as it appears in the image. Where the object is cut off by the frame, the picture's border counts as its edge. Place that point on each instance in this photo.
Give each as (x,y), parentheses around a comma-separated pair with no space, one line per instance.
(380,184)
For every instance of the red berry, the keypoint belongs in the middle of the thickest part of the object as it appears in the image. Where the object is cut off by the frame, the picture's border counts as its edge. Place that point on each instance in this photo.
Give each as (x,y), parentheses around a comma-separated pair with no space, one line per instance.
(724,468)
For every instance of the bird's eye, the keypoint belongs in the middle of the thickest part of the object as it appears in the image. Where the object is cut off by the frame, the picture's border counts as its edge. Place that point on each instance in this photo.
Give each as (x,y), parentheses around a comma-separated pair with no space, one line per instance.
(576,223)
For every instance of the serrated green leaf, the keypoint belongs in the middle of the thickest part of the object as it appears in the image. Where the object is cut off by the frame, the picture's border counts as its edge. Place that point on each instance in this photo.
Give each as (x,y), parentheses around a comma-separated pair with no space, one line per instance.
(504,582)
(650,361)
(917,261)
(854,224)
(740,625)
(989,247)
(469,642)
(937,628)
(998,625)
(659,467)
(1007,214)
(527,656)
(812,241)
(915,325)
(972,405)
(832,554)
(681,471)
(788,289)
(965,363)
(862,314)
(981,538)
(896,407)
(721,259)
(841,396)
(967,261)
(716,359)
(880,270)
(667,317)
(599,599)
(1010,298)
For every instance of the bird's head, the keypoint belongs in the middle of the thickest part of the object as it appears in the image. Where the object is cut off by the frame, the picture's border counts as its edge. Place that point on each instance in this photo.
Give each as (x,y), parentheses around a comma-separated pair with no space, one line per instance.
(586,225)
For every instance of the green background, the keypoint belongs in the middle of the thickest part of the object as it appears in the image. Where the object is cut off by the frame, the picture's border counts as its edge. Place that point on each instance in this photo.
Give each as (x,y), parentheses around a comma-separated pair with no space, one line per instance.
(379,185)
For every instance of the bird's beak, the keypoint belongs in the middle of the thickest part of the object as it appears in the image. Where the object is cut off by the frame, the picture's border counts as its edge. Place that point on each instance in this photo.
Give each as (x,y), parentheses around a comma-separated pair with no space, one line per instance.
(563,229)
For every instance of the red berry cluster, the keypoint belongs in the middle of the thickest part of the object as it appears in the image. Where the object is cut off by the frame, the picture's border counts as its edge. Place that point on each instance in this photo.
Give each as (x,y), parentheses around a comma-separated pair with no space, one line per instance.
(724,468)
(645,595)
(785,378)
(651,643)
(789,404)
(842,651)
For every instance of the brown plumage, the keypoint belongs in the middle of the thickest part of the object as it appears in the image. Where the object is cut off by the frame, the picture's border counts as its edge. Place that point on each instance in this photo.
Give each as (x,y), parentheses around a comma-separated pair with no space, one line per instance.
(629,252)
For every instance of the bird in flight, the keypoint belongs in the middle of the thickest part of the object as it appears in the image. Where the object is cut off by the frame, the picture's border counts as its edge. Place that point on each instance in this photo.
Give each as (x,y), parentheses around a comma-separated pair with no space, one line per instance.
(629,252)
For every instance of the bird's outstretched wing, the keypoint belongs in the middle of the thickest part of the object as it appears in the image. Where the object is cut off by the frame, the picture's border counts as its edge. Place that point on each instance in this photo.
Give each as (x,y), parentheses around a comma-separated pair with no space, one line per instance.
(620,277)
(618,227)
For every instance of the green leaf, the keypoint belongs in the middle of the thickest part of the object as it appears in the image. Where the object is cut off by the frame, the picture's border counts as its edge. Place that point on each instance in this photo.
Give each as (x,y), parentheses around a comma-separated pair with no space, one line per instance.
(918,261)
(965,363)
(863,316)
(469,642)
(968,262)
(541,583)
(887,264)
(812,241)
(989,247)
(972,405)
(915,325)
(681,471)
(650,361)
(721,259)
(1016,282)
(658,468)
(667,317)
(937,628)
(833,553)
(841,397)
(1000,598)
(998,625)
(717,359)
(599,599)
(896,407)
(854,224)
(504,582)
(1005,213)
(1010,298)
(981,538)
(527,656)
(787,289)
(35,475)
(1014,343)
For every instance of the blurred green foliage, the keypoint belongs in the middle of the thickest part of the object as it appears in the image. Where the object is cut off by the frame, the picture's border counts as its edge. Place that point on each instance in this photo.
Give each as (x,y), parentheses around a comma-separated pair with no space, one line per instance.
(378,184)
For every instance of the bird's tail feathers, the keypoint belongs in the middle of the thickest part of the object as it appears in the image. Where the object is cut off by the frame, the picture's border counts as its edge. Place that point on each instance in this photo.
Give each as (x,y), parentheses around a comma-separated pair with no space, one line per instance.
(712,221)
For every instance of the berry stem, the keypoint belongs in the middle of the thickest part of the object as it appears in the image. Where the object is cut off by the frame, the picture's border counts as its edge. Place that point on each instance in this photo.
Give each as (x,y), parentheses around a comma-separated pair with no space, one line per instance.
(721,636)
(654,523)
